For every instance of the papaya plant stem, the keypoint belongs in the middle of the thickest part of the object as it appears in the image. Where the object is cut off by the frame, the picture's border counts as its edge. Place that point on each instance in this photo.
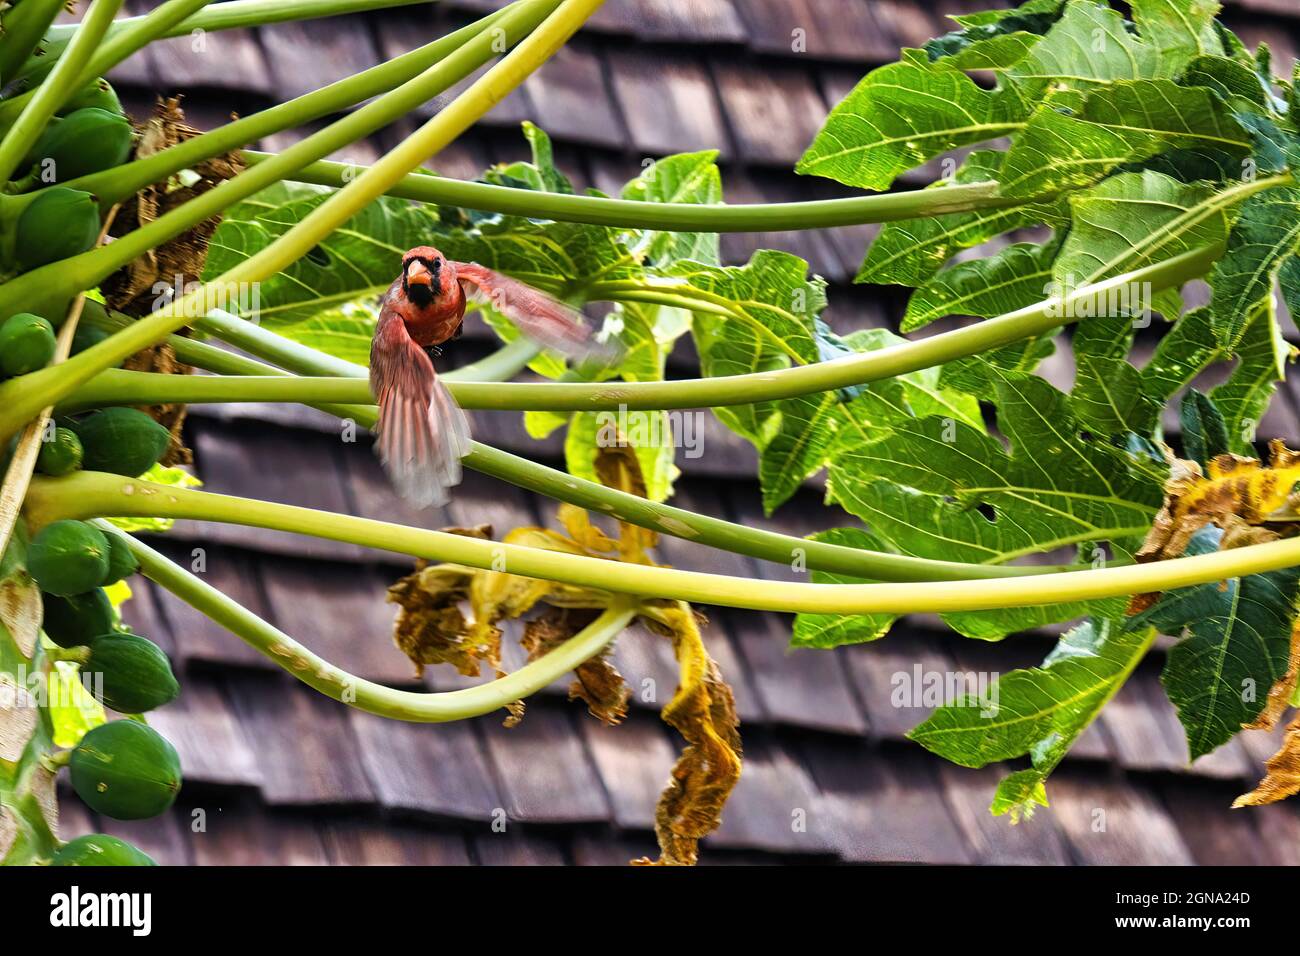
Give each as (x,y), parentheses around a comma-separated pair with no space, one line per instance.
(234,14)
(58,86)
(251,337)
(673,217)
(531,476)
(117,48)
(77,655)
(112,185)
(497,366)
(373,698)
(21,398)
(23,25)
(145,388)
(91,494)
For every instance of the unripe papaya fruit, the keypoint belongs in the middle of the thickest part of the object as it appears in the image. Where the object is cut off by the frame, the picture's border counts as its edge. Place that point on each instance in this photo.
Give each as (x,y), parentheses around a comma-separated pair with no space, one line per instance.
(121,562)
(59,223)
(77,619)
(26,343)
(85,141)
(61,455)
(122,441)
(129,673)
(100,849)
(86,336)
(126,770)
(99,93)
(68,557)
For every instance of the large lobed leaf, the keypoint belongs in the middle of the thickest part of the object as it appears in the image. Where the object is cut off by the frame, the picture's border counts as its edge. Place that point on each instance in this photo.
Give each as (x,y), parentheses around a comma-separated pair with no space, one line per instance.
(939,487)
(1236,644)
(1038,712)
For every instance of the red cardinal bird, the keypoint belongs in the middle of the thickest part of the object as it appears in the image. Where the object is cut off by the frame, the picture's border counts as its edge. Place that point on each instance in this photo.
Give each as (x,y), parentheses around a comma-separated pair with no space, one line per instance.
(423,434)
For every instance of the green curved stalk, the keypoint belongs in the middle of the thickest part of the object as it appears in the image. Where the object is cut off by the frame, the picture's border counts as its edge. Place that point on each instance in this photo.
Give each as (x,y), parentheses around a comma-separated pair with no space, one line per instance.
(117,48)
(680,523)
(531,476)
(673,217)
(62,82)
(253,338)
(118,387)
(23,27)
(234,14)
(333,681)
(44,286)
(89,495)
(497,366)
(21,398)
(114,185)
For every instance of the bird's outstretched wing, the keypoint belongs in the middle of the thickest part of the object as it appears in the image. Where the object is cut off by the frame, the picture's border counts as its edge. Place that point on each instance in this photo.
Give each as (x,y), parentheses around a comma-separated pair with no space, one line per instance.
(547,322)
(423,433)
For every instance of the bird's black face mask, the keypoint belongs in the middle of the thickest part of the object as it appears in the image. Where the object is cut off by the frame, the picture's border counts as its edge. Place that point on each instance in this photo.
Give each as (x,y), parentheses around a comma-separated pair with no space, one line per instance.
(419,293)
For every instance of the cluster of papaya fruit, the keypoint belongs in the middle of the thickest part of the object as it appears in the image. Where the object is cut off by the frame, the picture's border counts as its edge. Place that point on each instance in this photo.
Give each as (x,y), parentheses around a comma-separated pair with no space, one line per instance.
(27,340)
(90,134)
(123,769)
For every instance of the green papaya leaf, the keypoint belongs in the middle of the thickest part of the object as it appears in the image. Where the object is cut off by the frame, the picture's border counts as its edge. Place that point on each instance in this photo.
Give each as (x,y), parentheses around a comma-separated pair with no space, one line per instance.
(1126,222)
(901,115)
(1205,433)
(834,630)
(804,429)
(1037,712)
(910,252)
(1236,642)
(1262,355)
(1264,237)
(1126,121)
(685,177)
(940,488)
(1010,279)
(1109,399)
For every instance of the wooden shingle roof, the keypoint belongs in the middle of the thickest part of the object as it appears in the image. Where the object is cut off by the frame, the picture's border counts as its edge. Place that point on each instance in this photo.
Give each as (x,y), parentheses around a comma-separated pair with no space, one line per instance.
(274,773)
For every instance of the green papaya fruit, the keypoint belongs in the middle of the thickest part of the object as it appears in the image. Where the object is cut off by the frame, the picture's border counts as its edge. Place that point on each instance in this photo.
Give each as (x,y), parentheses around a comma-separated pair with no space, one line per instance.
(77,619)
(121,562)
(26,343)
(99,93)
(61,455)
(129,673)
(59,223)
(123,441)
(86,336)
(100,849)
(68,557)
(85,141)
(126,770)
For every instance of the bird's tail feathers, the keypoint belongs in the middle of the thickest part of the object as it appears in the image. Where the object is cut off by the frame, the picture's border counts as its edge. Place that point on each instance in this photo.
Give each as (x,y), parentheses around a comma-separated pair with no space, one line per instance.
(422,438)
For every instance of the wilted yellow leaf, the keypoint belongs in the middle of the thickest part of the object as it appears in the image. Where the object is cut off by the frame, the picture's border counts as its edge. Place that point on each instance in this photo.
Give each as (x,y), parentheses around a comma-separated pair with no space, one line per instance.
(703,710)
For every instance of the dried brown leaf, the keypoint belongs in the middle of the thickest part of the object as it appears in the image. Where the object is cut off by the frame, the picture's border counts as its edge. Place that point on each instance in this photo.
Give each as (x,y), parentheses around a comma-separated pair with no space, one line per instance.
(1242,496)
(180,260)
(173,265)
(1279,695)
(1282,778)
(430,628)
(597,682)
(703,710)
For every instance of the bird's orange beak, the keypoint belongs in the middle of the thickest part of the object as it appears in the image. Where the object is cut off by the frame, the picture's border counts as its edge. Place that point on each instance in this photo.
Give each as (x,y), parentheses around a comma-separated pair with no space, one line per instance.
(418,274)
